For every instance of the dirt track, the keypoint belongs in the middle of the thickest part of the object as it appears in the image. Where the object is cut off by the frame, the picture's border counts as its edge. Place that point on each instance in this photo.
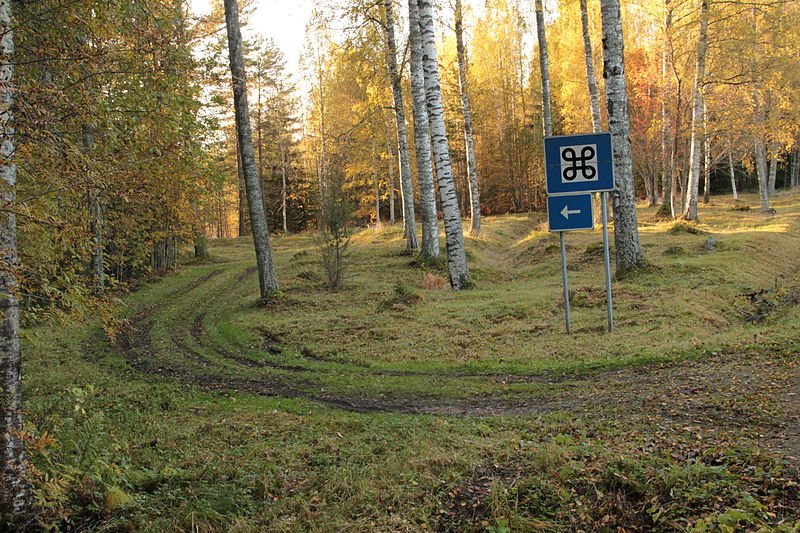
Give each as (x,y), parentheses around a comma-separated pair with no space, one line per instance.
(757,395)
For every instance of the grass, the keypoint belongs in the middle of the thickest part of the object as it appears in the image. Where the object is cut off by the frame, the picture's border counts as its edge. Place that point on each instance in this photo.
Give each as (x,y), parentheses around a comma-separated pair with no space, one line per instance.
(389,406)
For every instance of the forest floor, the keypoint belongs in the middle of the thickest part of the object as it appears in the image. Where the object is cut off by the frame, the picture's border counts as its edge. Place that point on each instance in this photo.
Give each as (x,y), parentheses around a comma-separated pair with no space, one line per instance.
(397,405)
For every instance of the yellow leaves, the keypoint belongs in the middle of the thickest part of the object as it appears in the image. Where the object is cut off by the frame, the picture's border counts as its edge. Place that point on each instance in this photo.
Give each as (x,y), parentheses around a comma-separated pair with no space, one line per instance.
(42,443)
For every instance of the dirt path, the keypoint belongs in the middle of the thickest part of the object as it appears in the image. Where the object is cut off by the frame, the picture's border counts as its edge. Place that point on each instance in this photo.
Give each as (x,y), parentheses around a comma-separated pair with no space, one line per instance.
(750,394)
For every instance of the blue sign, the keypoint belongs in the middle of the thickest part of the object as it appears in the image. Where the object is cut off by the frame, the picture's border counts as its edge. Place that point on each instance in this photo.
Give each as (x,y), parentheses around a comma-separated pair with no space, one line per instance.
(579,163)
(571,212)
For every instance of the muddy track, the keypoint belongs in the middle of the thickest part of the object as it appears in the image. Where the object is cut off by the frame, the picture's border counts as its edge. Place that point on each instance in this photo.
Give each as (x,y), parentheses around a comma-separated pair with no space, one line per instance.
(717,392)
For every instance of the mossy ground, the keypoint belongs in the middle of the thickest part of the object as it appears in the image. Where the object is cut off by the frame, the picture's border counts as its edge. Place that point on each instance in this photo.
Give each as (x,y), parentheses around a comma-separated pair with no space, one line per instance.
(198,409)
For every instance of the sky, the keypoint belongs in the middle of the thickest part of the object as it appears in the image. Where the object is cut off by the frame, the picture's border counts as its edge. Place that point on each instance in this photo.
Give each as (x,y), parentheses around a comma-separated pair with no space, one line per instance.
(285,22)
(282,20)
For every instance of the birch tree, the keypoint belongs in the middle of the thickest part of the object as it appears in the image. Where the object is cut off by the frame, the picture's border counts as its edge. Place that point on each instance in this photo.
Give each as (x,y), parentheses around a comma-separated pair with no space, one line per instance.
(708,163)
(95,220)
(733,173)
(591,80)
(626,231)
(469,143)
(406,184)
(454,236)
(544,66)
(422,139)
(258,218)
(696,145)
(13,492)
(667,208)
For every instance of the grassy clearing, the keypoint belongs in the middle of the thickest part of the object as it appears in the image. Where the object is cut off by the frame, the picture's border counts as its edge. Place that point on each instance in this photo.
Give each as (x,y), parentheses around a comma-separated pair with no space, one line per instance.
(465,411)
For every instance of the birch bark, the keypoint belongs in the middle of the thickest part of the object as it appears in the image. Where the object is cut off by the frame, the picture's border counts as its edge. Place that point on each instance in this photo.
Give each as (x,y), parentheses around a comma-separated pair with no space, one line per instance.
(544,66)
(591,80)
(454,236)
(469,143)
(258,219)
(422,139)
(773,170)
(706,156)
(626,231)
(406,184)
(667,208)
(733,174)
(696,145)
(13,490)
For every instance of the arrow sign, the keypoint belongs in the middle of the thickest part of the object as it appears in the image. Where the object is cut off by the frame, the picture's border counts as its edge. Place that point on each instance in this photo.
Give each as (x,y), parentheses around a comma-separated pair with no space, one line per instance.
(566,212)
(570,212)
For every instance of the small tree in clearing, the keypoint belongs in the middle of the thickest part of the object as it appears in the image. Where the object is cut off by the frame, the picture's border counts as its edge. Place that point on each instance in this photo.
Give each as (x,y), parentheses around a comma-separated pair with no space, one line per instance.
(333,240)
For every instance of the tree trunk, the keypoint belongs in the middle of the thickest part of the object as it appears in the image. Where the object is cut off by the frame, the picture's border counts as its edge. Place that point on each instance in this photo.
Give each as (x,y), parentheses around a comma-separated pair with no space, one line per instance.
(667,208)
(696,147)
(676,162)
(733,174)
(454,236)
(406,183)
(95,219)
(244,228)
(591,80)
(283,189)
(258,219)
(469,143)
(762,172)
(390,172)
(626,231)
(544,66)
(13,489)
(201,246)
(376,180)
(422,139)
(773,170)
(707,162)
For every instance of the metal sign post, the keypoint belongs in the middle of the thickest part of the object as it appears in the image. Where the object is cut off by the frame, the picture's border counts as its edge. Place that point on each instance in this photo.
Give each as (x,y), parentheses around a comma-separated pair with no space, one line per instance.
(575,167)
(565,282)
(607,261)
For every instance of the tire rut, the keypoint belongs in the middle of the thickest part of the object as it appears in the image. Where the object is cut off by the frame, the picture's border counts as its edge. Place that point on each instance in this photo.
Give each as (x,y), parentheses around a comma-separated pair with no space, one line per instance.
(703,392)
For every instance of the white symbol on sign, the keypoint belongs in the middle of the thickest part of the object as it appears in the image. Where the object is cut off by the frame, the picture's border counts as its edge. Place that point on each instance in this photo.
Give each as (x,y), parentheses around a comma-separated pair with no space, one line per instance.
(579,163)
(566,212)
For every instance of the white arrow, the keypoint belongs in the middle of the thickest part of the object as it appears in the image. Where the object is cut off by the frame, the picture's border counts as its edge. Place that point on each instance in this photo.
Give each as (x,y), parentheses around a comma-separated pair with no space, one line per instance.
(566,212)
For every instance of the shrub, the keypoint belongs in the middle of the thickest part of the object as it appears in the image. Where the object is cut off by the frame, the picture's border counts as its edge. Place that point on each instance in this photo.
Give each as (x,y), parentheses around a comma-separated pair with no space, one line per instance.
(333,240)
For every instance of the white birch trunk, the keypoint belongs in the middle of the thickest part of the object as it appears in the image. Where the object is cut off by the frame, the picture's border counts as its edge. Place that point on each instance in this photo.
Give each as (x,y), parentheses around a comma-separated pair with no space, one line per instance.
(13,490)
(422,139)
(696,145)
(773,170)
(706,156)
(626,229)
(733,174)
(762,172)
(258,218)
(454,236)
(406,183)
(469,143)
(390,171)
(667,204)
(544,66)
(591,80)
(376,180)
